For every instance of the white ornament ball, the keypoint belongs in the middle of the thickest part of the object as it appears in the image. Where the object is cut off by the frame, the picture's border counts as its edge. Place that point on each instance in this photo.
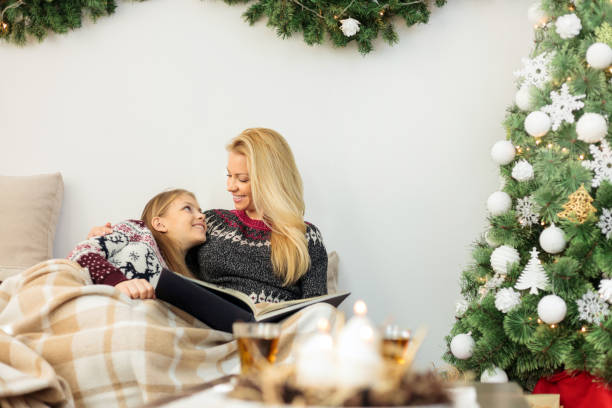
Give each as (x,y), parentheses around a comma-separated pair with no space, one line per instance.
(499,203)
(605,290)
(507,299)
(552,309)
(536,15)
(599,55)
(522,171)
(490,241)
(462,346)
(591,127)
(502,257)
(568,26)
(494,375)
(537,124)
(523,98)
(552,240)
(503,152)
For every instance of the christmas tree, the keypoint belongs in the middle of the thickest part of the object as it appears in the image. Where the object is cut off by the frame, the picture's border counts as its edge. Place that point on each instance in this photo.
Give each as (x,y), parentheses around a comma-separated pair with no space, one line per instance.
(549,310)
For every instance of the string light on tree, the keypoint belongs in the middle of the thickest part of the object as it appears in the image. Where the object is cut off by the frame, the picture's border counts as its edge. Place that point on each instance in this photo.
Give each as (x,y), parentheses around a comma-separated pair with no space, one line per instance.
(552,309)
(552,239)
(462,346)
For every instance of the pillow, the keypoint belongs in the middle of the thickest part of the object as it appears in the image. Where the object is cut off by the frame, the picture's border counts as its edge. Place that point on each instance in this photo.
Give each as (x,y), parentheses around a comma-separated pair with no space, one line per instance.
(29,209)
(332,272)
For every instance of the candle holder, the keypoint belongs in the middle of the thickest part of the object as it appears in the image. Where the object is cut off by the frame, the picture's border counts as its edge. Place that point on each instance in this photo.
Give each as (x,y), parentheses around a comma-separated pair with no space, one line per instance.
(394,345)
(257,344)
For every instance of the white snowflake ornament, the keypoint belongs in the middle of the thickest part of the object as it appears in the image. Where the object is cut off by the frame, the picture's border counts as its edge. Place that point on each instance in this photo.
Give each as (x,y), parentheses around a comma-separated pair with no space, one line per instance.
(527,211)
(563,104)
(592,308)
(568,26)
(605,290)
(522,171)
(349,26)
(601,163)
(605,222)
(533,276)
(507,299)
(535,71)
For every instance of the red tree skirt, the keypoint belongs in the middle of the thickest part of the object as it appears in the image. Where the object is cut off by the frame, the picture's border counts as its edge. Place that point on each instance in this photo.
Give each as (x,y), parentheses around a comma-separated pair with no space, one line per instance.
(577,389)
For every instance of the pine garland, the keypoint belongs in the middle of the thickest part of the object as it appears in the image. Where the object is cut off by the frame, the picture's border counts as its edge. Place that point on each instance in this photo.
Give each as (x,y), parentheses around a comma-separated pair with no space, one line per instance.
(313,18)
(518,341)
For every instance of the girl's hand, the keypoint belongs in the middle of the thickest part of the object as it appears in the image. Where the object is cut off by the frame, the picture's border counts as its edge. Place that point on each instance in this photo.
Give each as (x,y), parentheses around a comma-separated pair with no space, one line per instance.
(137,289)
(100,231)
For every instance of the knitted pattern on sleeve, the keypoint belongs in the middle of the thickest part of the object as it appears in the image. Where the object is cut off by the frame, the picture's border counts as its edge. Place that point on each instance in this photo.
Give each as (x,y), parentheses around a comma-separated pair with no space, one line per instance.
(129,252)
(236,255)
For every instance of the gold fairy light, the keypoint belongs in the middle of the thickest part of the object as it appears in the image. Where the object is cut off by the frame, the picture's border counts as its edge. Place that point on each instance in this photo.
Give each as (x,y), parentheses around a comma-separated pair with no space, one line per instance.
(583,329)
(549,145)
(579,207)
(538,141)
(4,27)
(553,326)
(581,157)
(564,150)
(539,321)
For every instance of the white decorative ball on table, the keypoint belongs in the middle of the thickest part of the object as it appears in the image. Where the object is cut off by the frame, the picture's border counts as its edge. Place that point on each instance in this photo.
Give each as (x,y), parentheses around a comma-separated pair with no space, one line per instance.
(551,309)
(502,257)
(499,203)
(503,152)
(591,127)
(537,124)
(599,55)
(494,375)
(462,346)
(552,240)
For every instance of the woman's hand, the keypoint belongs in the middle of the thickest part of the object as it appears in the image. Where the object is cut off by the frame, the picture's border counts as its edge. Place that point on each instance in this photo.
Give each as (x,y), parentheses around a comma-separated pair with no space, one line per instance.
(100,231)
(137,289)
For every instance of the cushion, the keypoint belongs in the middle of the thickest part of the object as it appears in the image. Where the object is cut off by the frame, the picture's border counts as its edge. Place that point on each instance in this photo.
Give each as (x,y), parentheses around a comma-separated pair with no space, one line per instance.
(29,209)
(332,272)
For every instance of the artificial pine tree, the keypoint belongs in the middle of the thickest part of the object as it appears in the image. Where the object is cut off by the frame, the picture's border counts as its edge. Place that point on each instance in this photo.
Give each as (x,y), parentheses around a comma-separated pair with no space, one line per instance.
(560,133)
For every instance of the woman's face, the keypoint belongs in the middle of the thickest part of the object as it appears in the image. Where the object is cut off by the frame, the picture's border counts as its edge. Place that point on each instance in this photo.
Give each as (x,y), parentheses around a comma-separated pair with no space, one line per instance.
(183,221)
(239,183)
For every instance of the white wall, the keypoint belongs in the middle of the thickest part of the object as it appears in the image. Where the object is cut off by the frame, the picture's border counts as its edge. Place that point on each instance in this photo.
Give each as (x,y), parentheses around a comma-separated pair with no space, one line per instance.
(393,147)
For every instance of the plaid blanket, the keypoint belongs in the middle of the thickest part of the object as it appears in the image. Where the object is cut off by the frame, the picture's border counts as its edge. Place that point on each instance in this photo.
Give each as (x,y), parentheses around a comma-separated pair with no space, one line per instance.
(66,342)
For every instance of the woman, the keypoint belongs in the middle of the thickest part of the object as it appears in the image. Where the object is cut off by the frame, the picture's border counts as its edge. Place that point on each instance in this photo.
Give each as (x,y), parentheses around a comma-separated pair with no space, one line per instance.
(263,247)
(134,252)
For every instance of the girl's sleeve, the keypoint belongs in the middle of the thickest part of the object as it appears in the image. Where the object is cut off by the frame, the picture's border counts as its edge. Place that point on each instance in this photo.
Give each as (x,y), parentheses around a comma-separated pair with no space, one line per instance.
(314,282)
(94,254)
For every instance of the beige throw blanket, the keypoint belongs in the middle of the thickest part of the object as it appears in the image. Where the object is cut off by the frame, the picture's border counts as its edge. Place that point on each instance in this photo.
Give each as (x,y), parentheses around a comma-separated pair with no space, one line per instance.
(66,342)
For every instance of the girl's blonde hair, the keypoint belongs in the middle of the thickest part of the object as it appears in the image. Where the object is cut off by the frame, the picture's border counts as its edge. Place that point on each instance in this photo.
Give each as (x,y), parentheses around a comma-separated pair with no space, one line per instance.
(156,207)
(277,192)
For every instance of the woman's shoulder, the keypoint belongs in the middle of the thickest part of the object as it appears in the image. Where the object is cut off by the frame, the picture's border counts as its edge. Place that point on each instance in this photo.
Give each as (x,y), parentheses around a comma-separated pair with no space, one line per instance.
(313,234)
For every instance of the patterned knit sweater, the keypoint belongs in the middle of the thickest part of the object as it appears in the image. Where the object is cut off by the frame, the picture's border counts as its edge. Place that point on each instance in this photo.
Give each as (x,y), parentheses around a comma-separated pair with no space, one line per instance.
(236,255)
(129,252)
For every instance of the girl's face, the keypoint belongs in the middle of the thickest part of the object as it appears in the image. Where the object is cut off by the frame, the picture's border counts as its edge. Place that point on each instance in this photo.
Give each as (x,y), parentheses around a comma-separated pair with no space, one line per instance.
(184,223)
(239,184)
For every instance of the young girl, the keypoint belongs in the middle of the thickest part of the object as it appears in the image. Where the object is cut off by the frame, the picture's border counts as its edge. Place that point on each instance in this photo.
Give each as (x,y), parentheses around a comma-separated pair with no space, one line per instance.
(133,254)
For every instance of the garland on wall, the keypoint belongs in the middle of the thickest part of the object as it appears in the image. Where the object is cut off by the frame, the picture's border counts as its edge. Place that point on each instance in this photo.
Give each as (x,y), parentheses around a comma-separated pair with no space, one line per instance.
(343,21)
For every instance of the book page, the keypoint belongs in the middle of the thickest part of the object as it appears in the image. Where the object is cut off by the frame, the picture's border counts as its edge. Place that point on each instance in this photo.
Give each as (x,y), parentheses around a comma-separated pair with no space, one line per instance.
(263,308)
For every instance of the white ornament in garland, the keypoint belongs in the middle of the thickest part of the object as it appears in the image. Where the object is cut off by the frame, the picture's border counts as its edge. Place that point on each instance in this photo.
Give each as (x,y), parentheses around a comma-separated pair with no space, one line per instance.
(535,71)
(461,307)
(591,127)
(503,152)
(533,276)
(605,290)
(552,309)
(502,257)
(527,211)
(592,308)
(601,163)
(552,239)
(349,26)
(498,203)
(537,124)
(523,98)
(605,222)
(522,171)
(507,299)
(462,346)
(563,104)
(599,55)
(494,375)
(536,15)
(568,26)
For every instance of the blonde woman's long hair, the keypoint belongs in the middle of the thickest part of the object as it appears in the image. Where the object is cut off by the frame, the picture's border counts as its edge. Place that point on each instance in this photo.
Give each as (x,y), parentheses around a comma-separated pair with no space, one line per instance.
(276,186)
(156,207)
